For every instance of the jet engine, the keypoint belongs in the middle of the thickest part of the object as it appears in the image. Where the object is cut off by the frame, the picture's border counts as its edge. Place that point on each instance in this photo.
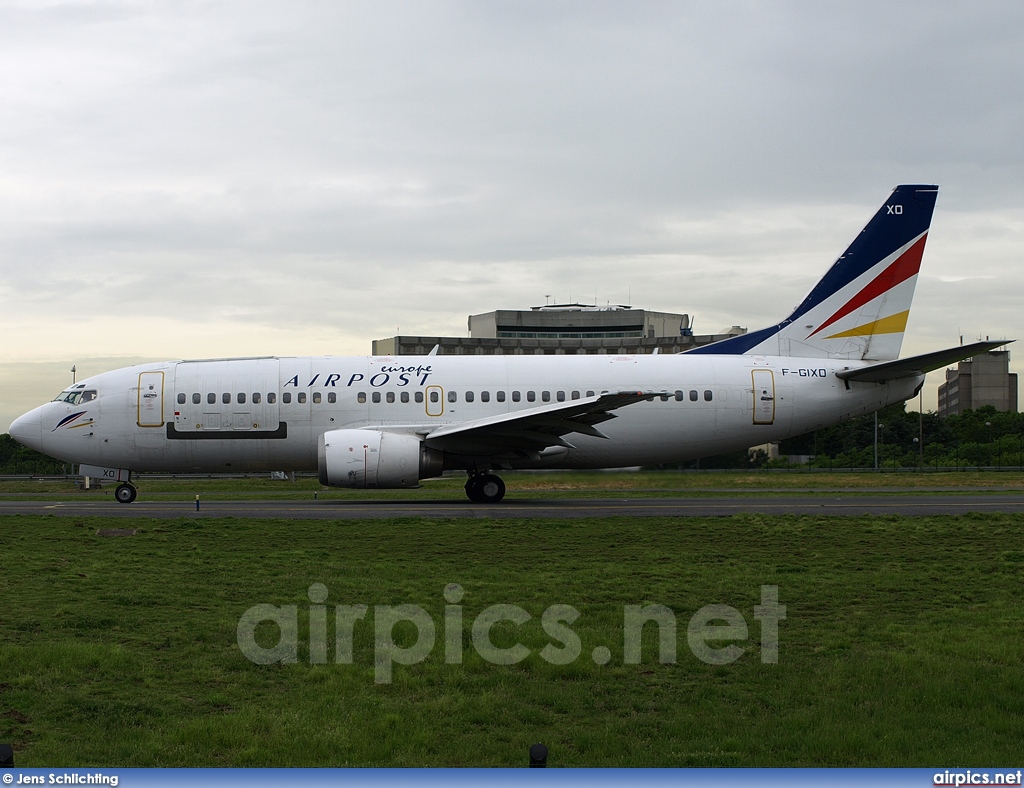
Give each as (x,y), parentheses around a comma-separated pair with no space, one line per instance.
(370,458)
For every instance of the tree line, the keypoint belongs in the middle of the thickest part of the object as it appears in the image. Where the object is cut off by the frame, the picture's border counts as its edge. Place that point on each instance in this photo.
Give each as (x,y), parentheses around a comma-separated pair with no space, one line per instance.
(983,438)
(15,458)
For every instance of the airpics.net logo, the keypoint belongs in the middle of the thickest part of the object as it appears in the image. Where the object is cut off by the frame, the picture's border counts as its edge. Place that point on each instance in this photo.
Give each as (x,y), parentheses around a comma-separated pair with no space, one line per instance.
(407,635)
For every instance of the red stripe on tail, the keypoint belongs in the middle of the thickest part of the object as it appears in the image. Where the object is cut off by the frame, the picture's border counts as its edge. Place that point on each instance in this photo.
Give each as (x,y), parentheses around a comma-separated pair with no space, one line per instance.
(901,269)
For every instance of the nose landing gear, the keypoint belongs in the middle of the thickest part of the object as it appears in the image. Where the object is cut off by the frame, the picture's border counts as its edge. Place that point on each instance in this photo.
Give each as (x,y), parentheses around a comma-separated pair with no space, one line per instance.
(125,493)
(484,488)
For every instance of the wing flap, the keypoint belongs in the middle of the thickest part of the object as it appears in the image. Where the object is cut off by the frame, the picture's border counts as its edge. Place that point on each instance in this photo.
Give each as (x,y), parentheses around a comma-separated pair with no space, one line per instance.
(535,428)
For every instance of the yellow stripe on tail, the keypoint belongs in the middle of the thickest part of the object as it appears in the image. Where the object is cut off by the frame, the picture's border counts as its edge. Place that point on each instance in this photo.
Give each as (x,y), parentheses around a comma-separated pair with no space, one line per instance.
(894,324)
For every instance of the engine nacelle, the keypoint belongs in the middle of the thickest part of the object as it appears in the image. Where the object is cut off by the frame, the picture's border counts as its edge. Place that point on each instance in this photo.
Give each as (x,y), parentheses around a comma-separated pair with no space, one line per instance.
(370,458)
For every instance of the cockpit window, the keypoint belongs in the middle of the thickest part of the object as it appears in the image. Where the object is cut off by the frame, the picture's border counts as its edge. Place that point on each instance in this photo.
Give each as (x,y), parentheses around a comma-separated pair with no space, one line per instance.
(76,397)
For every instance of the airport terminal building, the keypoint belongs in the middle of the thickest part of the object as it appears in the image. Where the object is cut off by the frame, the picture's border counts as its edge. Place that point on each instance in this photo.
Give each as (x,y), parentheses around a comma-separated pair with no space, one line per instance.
(561,329)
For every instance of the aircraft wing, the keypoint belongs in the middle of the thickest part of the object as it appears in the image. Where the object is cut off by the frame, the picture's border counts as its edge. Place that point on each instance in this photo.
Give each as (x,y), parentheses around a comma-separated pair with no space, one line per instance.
(917,365)
(534,429)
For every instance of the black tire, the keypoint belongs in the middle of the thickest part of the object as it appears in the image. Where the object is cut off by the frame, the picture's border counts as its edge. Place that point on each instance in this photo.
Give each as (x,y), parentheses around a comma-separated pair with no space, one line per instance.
(473,489)
(125,493)
(491,488)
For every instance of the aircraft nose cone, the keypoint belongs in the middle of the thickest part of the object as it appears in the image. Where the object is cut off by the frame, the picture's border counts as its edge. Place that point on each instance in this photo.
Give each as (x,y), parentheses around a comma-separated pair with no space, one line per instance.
(27,430)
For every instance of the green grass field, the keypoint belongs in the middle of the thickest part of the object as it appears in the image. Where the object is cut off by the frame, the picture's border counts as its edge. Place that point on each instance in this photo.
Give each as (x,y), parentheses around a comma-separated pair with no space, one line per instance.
(903,642)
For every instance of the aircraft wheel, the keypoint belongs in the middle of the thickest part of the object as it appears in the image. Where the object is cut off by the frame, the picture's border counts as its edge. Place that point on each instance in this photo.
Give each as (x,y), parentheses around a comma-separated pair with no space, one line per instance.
(125,493)
(473,489)
(491,488)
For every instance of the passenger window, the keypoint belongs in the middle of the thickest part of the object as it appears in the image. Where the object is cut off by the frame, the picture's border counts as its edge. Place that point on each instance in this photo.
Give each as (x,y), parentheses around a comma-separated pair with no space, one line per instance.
(271,398)
(316,397)
(575,395)
(225,398)
(197,398)
(560,396)
(302,397)
(286,398)
(332,397)
(390,396)
(590,393)
(419,396)
(453,396)
(257,398)
(211,399)
(516,396)
(181,399)
(707,395)
(375,396)
(485,396)
(531,396)
(241,398)
(693,395)
(405,396)
(469,396)
(361,397)
(545,396)
(433,396)
(679,396)
(501,396)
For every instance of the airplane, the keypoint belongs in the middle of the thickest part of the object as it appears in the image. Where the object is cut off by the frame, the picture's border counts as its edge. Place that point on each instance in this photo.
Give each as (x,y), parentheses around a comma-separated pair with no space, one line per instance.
(392,421)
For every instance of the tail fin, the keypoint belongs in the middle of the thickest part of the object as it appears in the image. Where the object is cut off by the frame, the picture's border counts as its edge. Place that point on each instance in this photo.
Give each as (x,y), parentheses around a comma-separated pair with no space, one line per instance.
(860,307)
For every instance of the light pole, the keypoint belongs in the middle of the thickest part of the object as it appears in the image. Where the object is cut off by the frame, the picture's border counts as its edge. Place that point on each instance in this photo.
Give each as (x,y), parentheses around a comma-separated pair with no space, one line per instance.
(920,429)
(876,440)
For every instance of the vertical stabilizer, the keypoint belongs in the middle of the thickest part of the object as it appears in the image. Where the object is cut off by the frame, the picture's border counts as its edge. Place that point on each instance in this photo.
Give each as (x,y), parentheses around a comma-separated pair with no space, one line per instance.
(860,307)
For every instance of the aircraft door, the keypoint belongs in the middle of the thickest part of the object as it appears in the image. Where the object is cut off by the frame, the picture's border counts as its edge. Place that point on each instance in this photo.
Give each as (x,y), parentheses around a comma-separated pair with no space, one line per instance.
(151,399)
(435,401)
(764,396)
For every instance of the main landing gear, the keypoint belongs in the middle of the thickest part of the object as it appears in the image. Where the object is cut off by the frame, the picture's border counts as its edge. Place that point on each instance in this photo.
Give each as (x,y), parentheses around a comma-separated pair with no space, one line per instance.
(125,493)
(484,487)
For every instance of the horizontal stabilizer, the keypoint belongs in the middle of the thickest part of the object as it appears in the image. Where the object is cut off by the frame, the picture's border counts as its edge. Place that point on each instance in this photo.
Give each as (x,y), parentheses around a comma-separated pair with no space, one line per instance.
(917,365)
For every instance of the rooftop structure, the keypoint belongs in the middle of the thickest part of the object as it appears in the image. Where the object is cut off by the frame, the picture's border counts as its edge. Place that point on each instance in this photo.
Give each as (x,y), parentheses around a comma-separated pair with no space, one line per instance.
(559,329)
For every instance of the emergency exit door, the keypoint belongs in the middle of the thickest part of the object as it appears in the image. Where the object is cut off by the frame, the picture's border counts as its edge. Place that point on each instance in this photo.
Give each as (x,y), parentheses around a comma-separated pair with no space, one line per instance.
(764,396)
(435,401)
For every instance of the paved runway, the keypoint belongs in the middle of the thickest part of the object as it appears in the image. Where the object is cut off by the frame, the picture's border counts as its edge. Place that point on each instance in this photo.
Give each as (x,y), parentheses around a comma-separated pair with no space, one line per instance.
(857,503)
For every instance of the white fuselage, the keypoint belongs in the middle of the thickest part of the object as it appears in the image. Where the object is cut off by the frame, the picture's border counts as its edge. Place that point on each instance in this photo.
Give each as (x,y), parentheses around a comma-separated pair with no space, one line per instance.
(188,416)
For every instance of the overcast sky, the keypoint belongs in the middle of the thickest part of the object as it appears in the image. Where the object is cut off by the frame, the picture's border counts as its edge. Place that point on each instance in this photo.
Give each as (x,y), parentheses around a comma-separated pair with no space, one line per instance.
(197,179)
